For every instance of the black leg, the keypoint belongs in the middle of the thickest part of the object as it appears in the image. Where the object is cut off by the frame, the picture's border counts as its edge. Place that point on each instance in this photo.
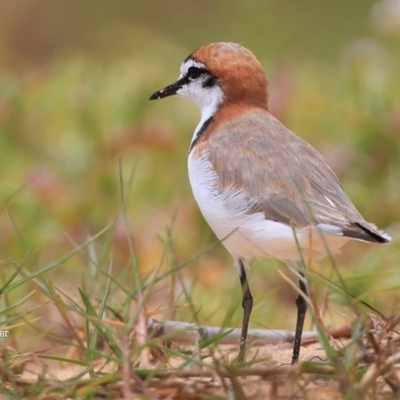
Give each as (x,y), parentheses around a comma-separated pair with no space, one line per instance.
(301,314)
(247,304)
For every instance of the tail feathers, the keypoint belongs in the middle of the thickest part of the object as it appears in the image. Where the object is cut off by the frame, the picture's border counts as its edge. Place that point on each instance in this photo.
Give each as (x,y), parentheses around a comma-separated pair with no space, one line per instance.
(367,232)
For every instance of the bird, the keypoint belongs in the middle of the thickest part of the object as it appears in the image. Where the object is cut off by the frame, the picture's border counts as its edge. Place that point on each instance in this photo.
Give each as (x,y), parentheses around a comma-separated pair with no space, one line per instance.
(263,190)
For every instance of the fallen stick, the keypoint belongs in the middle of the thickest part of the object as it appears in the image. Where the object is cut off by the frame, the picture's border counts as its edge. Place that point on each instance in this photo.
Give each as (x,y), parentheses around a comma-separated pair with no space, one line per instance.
(185,332)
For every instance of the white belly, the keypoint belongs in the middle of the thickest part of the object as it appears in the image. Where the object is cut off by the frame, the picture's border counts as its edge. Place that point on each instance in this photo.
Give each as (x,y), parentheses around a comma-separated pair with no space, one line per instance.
(247,235)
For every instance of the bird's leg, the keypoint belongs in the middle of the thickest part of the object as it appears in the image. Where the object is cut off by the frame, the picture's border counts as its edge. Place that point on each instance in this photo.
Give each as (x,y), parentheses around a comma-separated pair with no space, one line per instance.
(301,304)
(247,304)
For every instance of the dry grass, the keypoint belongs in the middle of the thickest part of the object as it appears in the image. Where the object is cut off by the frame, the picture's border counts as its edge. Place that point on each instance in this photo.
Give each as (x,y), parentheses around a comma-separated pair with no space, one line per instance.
(174,371)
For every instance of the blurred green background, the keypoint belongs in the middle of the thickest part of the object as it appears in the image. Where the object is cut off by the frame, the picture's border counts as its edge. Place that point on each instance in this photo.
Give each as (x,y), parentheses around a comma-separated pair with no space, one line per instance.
(75,78)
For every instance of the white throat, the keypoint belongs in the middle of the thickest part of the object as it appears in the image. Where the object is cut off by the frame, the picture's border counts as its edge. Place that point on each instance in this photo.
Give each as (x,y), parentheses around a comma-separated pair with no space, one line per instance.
(207,111)
(207,99)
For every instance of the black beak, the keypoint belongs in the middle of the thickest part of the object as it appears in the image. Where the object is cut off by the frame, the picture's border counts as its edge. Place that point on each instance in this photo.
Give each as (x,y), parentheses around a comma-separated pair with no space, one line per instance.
(167,91)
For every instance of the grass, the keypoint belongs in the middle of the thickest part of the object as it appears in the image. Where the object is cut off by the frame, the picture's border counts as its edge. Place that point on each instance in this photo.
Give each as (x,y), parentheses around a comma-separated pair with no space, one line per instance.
(106,350)
(100,233)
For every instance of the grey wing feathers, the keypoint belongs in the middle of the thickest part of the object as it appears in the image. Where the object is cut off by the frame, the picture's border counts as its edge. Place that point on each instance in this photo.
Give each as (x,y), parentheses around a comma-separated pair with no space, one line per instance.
(284,177)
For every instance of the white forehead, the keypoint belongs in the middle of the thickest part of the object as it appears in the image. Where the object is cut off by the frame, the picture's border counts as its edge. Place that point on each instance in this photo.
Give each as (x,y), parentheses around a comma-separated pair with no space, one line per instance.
(190,63)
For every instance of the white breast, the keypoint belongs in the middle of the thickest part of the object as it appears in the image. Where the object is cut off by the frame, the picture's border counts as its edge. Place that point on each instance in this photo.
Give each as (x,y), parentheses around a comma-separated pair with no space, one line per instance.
(248,235)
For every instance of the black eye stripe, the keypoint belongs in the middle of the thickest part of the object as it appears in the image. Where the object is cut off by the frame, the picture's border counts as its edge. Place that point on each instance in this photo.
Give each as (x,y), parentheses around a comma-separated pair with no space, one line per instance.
(210,81)
(193,73)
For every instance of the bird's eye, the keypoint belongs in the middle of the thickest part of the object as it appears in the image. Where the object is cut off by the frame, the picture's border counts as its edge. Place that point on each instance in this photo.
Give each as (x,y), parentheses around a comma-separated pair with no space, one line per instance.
(194,72)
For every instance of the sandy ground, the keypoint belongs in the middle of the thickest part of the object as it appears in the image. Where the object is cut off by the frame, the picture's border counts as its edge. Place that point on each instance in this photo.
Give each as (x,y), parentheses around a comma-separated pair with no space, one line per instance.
(274,379)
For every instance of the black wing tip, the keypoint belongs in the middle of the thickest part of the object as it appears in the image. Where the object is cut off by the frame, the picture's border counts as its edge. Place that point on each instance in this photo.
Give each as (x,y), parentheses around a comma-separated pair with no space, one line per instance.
(367,233)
